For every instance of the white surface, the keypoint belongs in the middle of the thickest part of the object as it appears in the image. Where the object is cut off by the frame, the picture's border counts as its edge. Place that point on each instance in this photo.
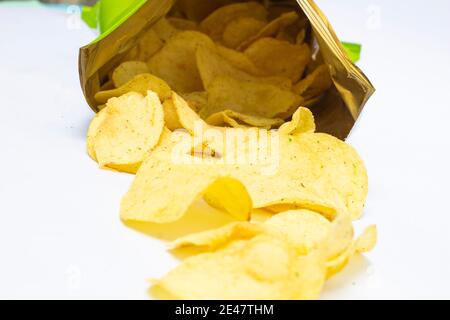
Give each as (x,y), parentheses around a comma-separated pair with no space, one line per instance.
(60,235)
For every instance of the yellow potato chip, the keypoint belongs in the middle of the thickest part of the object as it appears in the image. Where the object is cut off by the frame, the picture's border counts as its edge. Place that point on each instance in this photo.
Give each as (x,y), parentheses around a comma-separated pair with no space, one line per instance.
(171,119)
(215,24)
(212,65)
(126,71)
(248,97)
(176,61)
(196,100)
(310,171)
(302,122)
(92,132)
(281,58)
(140,84)
(197,10)
(261,268)
(272,28)
(183,24)
(131,128)
(165,30)
(187,117)
(238,120)
(301,36)
(241,29)
(148,45)
(314,84)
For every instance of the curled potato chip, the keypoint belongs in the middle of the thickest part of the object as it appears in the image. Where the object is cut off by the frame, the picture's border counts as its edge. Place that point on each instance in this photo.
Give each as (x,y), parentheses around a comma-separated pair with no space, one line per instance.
(148,45)
(248,97)
(238,120)
(165,207)
(215,24)
(126,71)
(212,65)
(140,84)
(241,29)
(92,132)
(302,122)
(272,29)
(176,61)
(281,58)
(314,84)
(239,60)
(130,128)
(261,268)
(171,119)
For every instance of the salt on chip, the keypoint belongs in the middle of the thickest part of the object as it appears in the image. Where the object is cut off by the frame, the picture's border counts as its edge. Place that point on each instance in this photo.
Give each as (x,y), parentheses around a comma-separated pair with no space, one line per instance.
(302,122)
(238,120)
(249,97)
(281,58)
(126,71)
(176,61)
(272,28)
(261,268)
(241,29)
(212,65)
(140,84)
(131,127)
(215,24)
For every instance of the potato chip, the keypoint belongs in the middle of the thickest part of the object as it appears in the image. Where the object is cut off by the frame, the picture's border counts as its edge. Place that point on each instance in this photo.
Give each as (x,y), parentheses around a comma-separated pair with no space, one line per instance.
(211,66)
(241,29)
(140,84)
(248,97)
(238,120)
(149,43)
(311,171)
(281,58)
(239,60)
(301,37)
(171,119)
(197,10)
(176,61)
(215,24)
(165,30)
(272,29)
(183,24)
(314,84)
(92,132)
(186,116)
(262,268)
(126,71)
(302,122)
(131,128)
(196,100)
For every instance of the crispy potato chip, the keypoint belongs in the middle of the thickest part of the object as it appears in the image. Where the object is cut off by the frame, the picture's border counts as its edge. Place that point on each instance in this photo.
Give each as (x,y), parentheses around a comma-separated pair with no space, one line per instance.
(238,120)
(165,30)
(248,97)
(272,29)
(92,132)
(131,127)
(301,37)
(196,100)
(281,58)
(176,61)
(183,24)
(186,116)
(148,45)
(239,60)
(314,84)
(364,243)
(171,119)
(126,71)
(241,29)
(197,10)
(310,171)
(165,207)
(140,84)
(302,122)
(215,24)
(261,268)
(211,66)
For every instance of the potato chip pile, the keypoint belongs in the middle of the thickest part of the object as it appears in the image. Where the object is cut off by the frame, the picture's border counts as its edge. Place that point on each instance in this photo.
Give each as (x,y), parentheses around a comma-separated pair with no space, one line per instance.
(212,106)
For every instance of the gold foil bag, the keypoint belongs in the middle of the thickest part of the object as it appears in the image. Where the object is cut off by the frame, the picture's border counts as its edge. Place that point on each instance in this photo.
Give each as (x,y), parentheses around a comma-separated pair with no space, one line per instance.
(335,114)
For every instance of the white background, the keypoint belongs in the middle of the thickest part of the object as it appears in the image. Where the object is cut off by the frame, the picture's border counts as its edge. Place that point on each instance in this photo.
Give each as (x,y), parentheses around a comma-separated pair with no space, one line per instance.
(60,234)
